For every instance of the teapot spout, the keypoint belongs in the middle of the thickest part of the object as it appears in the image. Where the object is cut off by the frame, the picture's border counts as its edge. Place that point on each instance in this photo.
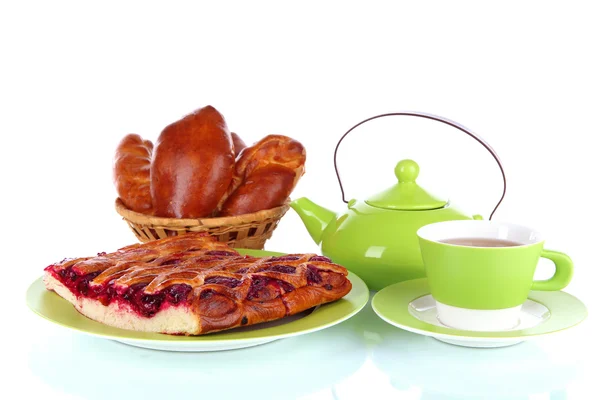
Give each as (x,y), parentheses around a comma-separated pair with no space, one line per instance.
(315,217)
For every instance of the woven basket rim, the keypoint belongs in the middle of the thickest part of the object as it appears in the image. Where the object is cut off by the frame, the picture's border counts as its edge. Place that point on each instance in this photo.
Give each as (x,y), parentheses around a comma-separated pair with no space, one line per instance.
(144,219)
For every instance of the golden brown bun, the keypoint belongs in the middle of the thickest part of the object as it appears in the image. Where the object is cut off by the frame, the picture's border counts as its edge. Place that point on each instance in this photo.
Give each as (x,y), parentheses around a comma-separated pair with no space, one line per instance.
(265,175)
(238,143)
(192,166)
(131,173)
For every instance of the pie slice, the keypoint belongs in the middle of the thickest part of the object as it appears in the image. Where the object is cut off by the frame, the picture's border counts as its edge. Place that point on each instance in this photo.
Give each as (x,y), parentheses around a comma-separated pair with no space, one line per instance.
(193,284)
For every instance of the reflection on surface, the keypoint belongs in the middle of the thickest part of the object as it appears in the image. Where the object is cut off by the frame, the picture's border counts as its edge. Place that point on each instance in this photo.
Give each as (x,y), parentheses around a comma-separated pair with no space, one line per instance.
(96,368)
(328,364)
(443,371)
(532,313)
(375,251)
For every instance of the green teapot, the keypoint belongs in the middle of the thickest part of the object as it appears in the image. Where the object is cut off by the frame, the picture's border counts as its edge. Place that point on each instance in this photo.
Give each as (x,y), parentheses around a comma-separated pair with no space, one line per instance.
(376,238)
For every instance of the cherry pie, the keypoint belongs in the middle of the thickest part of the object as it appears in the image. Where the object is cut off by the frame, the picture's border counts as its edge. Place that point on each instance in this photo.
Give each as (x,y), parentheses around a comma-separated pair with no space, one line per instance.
(193,285)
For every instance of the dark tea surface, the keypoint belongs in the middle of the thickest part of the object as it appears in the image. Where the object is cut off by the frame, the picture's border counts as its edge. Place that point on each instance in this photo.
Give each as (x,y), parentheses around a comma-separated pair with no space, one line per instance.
(481,242)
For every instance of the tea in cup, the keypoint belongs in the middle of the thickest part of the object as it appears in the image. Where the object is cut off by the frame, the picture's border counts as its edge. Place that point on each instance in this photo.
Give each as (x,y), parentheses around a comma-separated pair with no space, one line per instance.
(480,272)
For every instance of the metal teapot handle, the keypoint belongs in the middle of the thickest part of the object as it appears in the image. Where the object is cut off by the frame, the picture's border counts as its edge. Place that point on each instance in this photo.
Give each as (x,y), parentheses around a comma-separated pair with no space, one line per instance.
(427,116)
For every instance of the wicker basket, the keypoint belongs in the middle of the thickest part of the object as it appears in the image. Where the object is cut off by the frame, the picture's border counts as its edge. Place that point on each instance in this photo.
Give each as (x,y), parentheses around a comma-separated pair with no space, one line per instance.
(249,231)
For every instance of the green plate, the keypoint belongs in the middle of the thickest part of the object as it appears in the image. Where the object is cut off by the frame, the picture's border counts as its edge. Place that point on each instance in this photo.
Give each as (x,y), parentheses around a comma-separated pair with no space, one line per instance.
(54,308)
(408,305)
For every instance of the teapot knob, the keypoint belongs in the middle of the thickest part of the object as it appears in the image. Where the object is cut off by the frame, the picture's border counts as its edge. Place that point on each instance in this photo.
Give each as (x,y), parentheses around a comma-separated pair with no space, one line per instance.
(407,171)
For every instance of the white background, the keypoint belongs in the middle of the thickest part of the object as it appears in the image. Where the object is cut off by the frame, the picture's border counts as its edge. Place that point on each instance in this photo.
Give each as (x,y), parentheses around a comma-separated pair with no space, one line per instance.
(76,77)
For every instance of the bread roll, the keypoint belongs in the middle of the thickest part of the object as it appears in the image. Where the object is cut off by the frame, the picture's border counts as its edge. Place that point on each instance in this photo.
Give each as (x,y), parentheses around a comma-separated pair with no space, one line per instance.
(192,166)
(265,175)
(238,143)
(131,173)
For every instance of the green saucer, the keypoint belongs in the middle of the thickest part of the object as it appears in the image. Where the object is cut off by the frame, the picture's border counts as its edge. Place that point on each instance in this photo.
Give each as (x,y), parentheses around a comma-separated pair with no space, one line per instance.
(408,305)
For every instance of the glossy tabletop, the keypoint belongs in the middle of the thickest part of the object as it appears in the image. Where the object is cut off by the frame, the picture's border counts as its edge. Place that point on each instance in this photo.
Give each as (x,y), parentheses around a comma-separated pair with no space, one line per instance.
(359,358)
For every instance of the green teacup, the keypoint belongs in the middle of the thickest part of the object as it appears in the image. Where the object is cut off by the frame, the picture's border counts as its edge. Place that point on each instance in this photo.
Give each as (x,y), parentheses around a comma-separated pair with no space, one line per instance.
(480,272)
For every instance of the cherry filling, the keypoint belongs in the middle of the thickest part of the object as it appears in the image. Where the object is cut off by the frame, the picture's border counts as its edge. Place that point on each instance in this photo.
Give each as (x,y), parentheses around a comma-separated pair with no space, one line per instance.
(286,269)
(79,284)
(132,290)
(285,258)
(177,293)
(83,283)
(149,304)
(145,304)
(171,262)
(67,274)
(312,275)
(261,284)
(220,253)
(319,258)
(222,280)
(105,293)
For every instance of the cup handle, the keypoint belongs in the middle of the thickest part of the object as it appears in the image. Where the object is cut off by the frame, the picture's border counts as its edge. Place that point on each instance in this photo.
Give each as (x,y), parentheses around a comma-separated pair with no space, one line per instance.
(562,276)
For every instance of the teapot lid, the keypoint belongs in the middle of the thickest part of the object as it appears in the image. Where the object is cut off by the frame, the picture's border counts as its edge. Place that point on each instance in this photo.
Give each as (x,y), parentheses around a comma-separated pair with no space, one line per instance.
(406,194)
